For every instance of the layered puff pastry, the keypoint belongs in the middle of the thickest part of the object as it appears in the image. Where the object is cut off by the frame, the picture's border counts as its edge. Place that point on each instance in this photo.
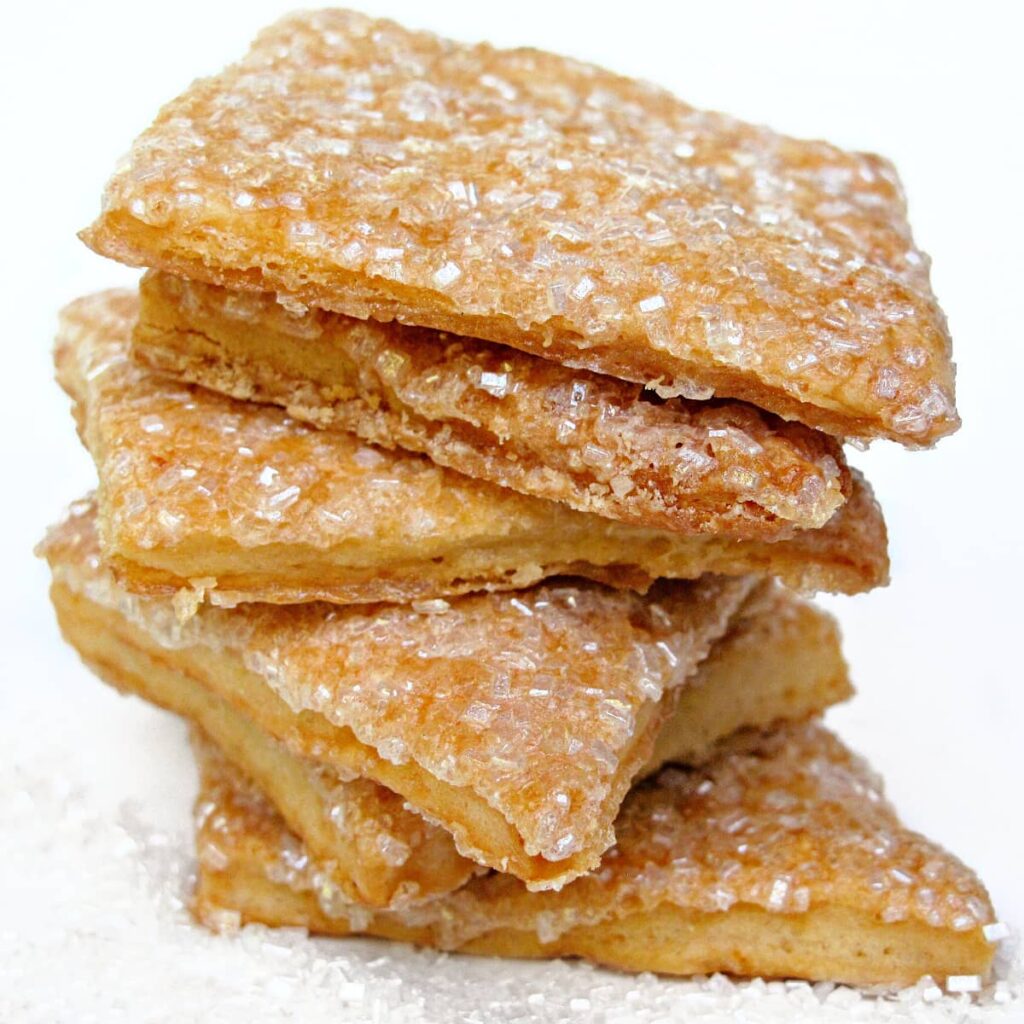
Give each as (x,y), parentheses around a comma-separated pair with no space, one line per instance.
(235,502)
(593,442)
(517,721)
(779,859)
(780,661)
(528,199)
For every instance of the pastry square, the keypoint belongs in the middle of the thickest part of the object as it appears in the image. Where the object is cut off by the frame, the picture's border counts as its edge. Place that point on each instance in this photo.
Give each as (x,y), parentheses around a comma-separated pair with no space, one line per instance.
(531,200)
(593,442)
(780,661)
(238,502)
(515,720)
(782,859)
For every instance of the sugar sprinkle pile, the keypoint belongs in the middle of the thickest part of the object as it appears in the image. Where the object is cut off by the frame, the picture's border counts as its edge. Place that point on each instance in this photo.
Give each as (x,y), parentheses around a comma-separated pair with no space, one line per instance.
(116,931)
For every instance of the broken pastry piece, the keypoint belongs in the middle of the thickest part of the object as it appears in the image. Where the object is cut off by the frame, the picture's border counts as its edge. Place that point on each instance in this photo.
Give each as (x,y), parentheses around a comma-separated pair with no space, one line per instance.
(381,852)
(782,859)
(592,442)
(528,199)
(238,502)
(780,661)
(517,721)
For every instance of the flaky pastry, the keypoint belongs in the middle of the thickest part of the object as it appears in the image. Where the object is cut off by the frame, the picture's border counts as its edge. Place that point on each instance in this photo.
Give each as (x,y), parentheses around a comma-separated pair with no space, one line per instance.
(780,661)
(594,442)
(782,859)
(517,720)
(528,199)
(237,502)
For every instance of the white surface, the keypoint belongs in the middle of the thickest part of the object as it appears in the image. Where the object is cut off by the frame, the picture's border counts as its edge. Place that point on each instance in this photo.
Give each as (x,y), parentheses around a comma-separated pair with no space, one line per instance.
(938,88)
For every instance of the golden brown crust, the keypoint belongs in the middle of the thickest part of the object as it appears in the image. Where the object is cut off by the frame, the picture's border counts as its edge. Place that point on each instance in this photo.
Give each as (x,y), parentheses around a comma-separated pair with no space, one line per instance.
(781,860)
(590,441)
(516,721)
(376,852)
(547,205)
(781,661)
(255,507)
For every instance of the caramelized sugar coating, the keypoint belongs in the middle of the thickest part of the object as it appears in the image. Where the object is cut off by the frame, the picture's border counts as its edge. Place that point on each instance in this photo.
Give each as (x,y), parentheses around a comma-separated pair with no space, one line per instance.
(256,507)
(381,852)
(780,661)
(549,205)
(515,720)
(782,858)
(588,440)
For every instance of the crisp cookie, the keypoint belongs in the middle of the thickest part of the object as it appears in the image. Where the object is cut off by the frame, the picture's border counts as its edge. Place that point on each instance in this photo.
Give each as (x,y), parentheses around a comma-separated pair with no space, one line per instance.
(782,859)
(517,721)
(528,199)
(594,442)
(232,502)
(780,662)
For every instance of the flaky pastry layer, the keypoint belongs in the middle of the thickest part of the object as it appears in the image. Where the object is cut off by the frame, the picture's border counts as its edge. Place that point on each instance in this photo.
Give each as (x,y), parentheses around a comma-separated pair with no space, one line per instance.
(592,442)
(780,661)
(782,859)
(517,721)
(531,200)
(238,502)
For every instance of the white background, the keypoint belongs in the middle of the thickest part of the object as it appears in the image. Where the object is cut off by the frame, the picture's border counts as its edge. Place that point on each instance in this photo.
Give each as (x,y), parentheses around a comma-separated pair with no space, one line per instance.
(938,88)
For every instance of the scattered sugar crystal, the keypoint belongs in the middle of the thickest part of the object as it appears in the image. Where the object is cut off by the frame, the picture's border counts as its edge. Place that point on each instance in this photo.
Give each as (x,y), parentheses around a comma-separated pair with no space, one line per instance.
(779,893)
(595,455)
(351,252)
(393,850)
(170,521)
(621,486)
(963,983)
(479,714)
(583,287)
(724,336)
(651,304)
(284,498)
(495,383)
(446,274)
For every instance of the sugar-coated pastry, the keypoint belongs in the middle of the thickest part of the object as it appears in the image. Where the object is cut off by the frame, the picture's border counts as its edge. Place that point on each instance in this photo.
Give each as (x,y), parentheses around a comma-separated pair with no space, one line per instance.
(515,720)
(238,502)
(780,661)
(594,442)
(528,199)
(782,859)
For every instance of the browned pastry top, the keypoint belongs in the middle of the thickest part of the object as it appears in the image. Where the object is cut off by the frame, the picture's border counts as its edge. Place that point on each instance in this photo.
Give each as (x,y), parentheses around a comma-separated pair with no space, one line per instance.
(594,442)
(536,700)
(246,475)
(529,199)
(793,823)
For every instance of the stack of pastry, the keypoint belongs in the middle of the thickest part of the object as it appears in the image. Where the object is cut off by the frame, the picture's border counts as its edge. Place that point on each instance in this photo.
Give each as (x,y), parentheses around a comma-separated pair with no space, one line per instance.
(460,459)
